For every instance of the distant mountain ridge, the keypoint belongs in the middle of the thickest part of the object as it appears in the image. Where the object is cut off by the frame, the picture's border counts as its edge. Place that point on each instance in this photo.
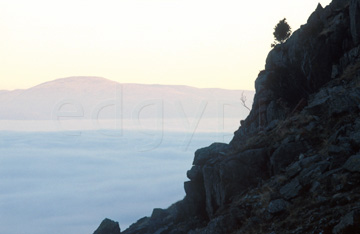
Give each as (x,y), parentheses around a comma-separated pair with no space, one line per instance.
(97,96)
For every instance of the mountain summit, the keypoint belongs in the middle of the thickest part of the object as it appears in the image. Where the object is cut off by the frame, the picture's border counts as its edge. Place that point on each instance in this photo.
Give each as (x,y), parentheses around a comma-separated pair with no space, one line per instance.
(293,166)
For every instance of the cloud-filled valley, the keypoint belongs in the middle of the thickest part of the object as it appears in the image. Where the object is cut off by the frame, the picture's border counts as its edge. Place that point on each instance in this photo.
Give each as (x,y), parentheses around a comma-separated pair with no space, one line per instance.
(68,183)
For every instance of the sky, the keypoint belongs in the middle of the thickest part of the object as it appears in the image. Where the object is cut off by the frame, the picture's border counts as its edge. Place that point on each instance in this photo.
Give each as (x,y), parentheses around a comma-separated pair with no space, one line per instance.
(199,43)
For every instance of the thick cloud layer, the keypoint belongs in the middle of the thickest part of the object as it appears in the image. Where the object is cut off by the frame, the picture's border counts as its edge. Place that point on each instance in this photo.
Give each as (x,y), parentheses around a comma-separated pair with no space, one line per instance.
(67,182)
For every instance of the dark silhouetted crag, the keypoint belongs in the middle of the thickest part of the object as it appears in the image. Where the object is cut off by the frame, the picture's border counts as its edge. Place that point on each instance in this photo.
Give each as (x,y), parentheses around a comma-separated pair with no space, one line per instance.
(108,226)
(293,166)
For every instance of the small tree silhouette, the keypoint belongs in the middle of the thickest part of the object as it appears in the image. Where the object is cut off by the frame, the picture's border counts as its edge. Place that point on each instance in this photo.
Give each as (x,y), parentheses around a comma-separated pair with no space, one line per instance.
(282,32)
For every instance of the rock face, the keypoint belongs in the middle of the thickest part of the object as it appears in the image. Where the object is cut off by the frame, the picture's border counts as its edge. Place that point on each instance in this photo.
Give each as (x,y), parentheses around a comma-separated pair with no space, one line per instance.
(293,165)
(108,226)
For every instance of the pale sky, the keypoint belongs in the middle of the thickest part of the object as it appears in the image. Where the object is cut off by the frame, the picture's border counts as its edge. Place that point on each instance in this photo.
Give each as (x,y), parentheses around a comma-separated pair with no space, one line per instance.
(201,43)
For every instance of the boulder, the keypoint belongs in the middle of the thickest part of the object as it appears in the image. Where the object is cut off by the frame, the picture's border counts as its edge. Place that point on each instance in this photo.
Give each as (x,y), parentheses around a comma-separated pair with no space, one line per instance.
(353,163)
(312,172)
(350,223)
(291,189)
(277,206)
(307,162)
(204,154)
(332,101)
(285,154)
(293,169)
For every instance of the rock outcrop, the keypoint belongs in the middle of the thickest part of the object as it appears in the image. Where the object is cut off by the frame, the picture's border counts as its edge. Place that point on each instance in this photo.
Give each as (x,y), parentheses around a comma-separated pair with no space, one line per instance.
(293,166)
(108,226)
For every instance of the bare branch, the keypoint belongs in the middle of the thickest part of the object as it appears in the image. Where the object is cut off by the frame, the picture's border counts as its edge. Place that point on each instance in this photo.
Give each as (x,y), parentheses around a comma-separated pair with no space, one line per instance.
(243,101)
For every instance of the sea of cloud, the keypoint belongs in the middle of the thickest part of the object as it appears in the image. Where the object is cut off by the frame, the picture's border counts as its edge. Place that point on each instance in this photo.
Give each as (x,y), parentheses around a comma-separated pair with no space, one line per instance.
(68,181)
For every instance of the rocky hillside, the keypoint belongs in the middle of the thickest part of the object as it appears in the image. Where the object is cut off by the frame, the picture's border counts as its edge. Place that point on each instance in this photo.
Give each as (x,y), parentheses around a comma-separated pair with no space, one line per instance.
(294,164)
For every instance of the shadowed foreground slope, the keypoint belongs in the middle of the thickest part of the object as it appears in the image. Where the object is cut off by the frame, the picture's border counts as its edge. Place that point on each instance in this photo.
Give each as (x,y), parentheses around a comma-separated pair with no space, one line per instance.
(294,164)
